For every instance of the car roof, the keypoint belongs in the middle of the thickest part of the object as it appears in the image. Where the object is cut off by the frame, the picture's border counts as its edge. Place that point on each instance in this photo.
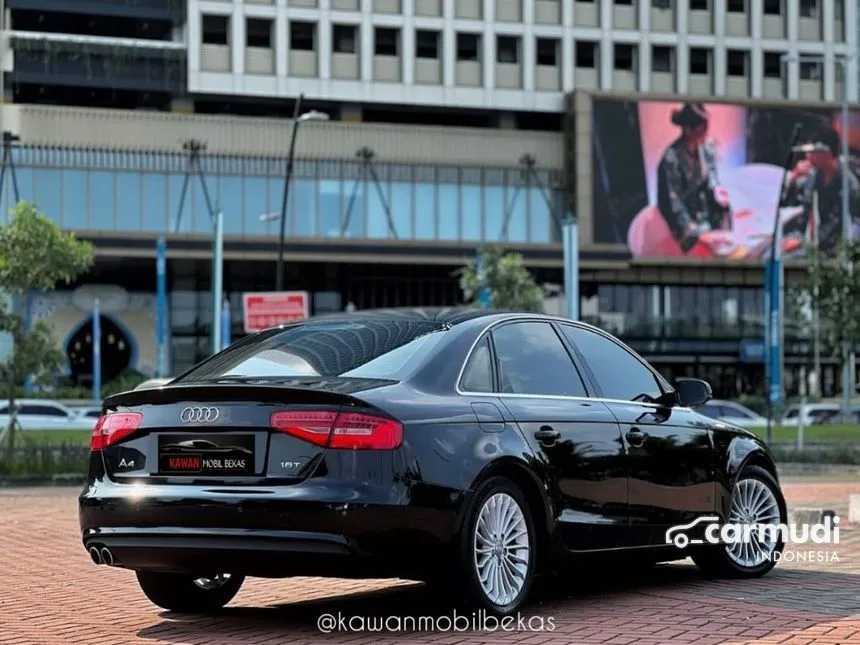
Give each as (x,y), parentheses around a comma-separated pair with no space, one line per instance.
(449,316)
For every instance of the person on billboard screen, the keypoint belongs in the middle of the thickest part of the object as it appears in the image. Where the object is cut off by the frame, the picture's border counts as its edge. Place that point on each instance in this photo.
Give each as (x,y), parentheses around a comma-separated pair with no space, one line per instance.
(689,196)
(815,183)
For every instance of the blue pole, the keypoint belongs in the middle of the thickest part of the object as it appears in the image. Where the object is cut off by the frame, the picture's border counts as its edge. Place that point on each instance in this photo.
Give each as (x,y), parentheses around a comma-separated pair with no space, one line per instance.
(774,276)
(27,304)
(570,239)
(225,325)
(97,353)
(484,297)
(161,306)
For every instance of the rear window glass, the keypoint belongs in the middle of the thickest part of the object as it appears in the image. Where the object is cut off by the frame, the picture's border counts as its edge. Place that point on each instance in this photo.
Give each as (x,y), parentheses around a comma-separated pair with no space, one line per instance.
(366,349)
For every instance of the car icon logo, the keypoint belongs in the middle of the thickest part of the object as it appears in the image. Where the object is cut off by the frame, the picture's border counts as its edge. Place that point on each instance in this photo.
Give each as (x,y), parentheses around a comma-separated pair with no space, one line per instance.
(677,535)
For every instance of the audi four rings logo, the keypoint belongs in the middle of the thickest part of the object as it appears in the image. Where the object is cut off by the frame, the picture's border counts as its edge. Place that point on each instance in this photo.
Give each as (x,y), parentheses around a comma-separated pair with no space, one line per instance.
(199,415)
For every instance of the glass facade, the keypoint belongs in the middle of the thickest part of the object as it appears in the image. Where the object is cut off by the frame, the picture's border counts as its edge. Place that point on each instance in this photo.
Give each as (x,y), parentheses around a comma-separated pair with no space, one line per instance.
(681,311)
(127,192)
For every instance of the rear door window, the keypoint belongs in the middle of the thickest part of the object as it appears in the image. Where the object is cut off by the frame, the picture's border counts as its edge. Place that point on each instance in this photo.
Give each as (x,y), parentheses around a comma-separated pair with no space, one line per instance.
(533,360)
(478,374)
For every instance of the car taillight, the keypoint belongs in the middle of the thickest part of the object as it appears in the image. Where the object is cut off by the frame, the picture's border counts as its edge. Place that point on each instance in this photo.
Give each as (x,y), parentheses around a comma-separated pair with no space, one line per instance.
(344,431)
(114,427)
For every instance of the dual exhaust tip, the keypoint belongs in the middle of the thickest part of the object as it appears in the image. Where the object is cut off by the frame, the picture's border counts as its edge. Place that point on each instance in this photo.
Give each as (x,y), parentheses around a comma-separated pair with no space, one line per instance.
(101,556)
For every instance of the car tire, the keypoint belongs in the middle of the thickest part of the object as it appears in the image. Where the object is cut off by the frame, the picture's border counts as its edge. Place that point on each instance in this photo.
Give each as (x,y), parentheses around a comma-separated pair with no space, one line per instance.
(517,563)
(717,561)
(185,594)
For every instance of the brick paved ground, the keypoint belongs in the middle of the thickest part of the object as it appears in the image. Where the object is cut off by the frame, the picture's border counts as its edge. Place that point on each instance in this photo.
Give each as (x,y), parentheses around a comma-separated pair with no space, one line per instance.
(50,593)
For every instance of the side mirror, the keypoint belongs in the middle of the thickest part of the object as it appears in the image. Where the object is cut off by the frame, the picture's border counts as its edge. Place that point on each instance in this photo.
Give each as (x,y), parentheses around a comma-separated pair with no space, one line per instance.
(692,392)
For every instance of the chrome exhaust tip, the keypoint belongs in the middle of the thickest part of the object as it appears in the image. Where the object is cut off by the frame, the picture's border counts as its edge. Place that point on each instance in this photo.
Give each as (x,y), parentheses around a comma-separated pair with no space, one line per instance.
(107,556)
(95,556)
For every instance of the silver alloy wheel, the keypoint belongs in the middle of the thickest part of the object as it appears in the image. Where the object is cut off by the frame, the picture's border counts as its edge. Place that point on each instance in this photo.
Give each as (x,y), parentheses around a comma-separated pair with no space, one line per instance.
(501,549)
(210,584)
(753,502)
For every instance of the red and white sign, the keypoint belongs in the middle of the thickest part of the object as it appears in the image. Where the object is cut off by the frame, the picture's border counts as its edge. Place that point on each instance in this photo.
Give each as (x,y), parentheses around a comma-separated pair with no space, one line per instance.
(269,309)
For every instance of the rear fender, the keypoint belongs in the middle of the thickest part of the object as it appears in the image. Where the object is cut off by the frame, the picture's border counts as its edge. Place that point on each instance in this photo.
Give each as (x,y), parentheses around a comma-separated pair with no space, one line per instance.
(530,483)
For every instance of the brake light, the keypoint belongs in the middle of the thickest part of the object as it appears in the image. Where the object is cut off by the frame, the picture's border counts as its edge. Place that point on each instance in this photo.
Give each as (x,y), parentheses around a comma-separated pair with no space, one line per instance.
(114,427)
(344,431)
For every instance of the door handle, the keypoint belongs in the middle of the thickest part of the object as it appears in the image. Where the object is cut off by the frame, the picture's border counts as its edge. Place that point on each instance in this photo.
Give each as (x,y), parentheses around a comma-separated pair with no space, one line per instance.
(546,435)
(635,437)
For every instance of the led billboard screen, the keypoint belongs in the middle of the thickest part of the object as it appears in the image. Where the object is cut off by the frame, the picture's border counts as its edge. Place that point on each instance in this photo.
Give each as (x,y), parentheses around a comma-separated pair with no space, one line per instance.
(708,180)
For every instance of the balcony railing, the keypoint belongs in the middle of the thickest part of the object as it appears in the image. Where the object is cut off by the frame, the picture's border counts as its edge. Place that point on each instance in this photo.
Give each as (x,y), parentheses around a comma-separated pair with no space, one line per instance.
(173,10)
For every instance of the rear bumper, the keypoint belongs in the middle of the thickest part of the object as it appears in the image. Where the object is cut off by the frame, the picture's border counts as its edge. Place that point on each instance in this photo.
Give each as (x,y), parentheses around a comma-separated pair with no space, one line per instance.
(254,553)
(268,532)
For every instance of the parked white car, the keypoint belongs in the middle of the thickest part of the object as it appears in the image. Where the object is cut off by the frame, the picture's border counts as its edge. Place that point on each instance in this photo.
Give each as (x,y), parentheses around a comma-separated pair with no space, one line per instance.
(733,413)
(43,414)
(808,413)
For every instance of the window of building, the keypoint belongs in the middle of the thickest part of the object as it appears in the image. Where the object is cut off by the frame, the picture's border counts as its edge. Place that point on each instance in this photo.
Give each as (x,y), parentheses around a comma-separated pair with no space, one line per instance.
(533,360)
(427,44)
(772,65)
(625,56)
(258,32)
(469,47)
(700,5)
(810,70)
(736,62)
(586,54)
(773,7)
(216,30)
(345,39)
(809,8)
(700,60)
(624,2)
(386,41)
(838,9)
(737,6)
(507,49)
(662,58)
(661,4)
(547,52)
(303,36)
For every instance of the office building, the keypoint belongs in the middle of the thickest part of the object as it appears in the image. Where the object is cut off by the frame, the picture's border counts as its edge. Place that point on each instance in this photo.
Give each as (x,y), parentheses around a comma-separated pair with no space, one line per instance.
(479,115)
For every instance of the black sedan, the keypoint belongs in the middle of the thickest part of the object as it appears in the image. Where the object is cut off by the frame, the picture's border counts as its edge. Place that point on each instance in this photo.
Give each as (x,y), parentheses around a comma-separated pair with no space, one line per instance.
(469,449)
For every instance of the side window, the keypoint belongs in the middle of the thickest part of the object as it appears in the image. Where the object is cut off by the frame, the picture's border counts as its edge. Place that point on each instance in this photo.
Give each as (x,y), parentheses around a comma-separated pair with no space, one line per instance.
(44,410)
(533,360)
(791,414)
(478,375)
(619,374)
(712,411)
(734,413)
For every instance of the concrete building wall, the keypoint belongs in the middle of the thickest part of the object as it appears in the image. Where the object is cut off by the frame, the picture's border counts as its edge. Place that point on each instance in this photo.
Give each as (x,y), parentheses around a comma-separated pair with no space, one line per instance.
(231,135)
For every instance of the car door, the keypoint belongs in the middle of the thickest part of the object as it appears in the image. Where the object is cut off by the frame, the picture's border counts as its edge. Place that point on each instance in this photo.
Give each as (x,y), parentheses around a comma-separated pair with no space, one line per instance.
(576,438)
(670,456)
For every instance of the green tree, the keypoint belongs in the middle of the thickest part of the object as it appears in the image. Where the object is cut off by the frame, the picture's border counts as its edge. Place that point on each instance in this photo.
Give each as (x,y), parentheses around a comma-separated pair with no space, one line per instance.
(510,283)
(35,255)
(835,291)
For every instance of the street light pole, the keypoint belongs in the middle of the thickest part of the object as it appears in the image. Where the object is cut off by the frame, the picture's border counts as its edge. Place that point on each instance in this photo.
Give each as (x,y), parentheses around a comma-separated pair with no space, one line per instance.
(298,119)
(217,278)
(279,269)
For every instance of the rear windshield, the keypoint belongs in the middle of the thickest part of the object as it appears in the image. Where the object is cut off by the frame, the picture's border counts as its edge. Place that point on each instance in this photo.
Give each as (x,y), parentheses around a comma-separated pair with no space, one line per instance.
(366,349)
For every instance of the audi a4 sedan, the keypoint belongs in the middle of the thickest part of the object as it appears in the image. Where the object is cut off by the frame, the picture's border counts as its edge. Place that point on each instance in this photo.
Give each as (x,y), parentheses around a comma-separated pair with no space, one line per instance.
(473,450)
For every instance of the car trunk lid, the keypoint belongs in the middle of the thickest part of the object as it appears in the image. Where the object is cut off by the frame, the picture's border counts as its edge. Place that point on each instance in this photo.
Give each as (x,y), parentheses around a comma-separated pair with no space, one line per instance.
(234,430)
